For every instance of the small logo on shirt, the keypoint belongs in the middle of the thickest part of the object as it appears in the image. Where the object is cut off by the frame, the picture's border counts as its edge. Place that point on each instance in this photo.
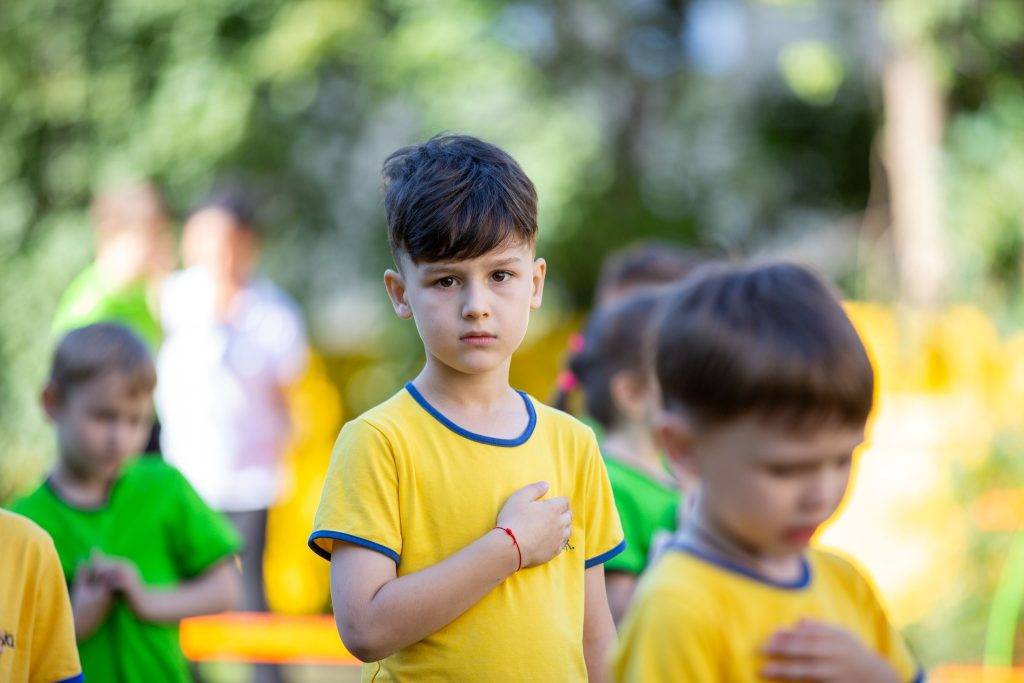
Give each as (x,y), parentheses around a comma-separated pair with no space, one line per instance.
(567,546)
(7,641)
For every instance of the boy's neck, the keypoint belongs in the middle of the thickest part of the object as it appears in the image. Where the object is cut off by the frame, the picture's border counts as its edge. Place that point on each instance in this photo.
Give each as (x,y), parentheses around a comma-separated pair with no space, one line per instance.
(78,489)
(473,391)
(702,532)
(633,445)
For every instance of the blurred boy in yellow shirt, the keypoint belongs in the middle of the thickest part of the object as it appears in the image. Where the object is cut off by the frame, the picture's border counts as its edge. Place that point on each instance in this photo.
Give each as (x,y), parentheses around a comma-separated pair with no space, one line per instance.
(765,389)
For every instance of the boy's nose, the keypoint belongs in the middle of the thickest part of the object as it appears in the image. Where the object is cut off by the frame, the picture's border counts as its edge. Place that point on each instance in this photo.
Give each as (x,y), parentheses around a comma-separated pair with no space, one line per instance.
(475,304)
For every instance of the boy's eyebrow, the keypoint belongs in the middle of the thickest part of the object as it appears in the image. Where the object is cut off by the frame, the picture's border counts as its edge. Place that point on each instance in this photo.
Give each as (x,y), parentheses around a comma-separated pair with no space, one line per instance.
(448,267)
(508,260)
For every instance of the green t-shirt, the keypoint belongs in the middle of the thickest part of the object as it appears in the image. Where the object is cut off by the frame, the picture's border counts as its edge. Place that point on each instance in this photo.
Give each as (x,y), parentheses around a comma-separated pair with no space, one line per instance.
(646,506)
(90,298)
(154,518)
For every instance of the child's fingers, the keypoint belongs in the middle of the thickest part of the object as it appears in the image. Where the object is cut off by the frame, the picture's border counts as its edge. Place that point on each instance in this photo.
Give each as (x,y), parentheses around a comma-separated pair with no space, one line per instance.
(561,503)
(534,490)
(566,520)
(797,647)
(811,670)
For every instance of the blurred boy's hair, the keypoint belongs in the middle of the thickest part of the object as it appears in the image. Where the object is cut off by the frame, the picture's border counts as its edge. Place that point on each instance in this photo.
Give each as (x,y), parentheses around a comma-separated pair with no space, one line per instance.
(614,341)
(455,197)
(234,200)
(770,340)
(644,264)
(89,352)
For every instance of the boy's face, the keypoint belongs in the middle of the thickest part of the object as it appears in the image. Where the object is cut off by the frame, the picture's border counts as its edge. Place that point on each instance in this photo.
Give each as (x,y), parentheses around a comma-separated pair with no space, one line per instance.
(100,423)
(213,239)
(766,487)
(472,314)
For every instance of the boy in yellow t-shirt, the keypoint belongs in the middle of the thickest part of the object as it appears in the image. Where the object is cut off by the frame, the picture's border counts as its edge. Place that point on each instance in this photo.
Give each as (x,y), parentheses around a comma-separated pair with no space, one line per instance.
(765,390)
(37,632)
(466,523)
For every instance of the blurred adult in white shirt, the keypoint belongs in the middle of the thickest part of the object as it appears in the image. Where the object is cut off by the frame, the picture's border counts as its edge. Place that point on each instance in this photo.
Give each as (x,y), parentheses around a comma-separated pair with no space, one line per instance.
(233,342)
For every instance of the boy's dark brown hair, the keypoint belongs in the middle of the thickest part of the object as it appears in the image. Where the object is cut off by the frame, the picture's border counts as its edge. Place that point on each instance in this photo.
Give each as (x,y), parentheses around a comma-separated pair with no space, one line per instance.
(456,197)
(770,340)
(88,352)
(644,264)
(615,340)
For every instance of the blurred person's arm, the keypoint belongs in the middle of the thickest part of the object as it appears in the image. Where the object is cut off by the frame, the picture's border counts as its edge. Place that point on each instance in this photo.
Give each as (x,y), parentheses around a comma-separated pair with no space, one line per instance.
(215,590)
(620,587)
(598,627)
(378,613)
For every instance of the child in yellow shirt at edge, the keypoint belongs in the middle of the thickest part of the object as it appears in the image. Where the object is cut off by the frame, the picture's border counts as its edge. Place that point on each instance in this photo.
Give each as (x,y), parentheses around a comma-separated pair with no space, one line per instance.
(37,631)
(765,390)
(467,523)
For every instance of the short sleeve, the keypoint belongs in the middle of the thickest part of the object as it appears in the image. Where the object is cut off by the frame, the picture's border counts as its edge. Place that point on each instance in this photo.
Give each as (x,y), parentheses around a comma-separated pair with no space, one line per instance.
(359,503)
(603,533)
(200,536)
(54,654)
(664,640)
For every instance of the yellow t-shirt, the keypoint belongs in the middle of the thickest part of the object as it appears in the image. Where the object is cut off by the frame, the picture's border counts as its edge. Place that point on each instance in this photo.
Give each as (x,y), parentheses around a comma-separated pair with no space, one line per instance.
(37,632)
(700,619)
(407,482)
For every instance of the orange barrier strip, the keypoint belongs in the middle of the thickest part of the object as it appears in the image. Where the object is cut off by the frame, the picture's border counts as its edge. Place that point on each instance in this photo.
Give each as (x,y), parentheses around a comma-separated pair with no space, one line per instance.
(974,673)
(1000,510)
(266,638)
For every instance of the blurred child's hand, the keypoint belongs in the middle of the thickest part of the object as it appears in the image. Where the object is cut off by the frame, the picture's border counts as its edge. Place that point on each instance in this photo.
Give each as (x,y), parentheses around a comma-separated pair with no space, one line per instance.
(123,577)
(815,651)
(91,598)
(542,527)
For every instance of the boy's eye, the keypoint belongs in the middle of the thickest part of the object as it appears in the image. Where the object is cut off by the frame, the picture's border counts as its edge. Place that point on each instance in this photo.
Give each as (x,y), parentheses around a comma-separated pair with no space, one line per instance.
(782,470)
(445,282)
(501,275)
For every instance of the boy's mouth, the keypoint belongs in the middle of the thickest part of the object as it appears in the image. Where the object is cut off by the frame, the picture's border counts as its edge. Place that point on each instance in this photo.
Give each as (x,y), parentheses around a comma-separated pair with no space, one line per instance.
(478,338)
(800,534)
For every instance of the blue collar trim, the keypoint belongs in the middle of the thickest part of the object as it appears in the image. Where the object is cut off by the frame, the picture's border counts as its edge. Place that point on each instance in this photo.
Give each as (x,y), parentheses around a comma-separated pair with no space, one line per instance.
(802,582)
(480,438)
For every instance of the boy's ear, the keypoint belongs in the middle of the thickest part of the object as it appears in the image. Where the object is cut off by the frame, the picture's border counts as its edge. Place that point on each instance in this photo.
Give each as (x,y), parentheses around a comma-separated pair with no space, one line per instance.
(51,400)
(540,269)
(395,284)
(675,433)
(629,393)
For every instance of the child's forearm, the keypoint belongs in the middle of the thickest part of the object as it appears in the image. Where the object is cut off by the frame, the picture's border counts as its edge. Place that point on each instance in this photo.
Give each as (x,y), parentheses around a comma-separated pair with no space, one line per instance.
(598,627)
(402,611)
(216,590)
(88,619)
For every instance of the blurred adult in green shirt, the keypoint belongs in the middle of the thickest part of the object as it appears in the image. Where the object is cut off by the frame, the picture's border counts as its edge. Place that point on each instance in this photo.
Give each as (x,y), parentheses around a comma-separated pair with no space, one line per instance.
(134,252)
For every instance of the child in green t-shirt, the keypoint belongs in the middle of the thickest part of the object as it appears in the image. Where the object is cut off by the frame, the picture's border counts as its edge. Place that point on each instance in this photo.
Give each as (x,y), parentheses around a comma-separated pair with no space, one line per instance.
(134,251)
(138,547)
(610,371)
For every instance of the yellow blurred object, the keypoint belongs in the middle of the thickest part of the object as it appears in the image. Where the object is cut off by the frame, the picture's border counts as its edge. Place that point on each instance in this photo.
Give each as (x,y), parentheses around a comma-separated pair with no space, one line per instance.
(947,384)
(1000,510)
(297,581)
(268,638)
(967,673)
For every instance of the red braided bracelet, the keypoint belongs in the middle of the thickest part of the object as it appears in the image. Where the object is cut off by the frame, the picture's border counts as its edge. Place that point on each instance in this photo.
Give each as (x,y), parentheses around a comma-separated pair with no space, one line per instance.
(519,552)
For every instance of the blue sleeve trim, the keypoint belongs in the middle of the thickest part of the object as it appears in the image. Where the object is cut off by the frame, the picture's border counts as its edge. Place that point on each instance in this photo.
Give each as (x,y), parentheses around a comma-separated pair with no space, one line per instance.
(74,679)
(919,678)
(348,538)
(604,557)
